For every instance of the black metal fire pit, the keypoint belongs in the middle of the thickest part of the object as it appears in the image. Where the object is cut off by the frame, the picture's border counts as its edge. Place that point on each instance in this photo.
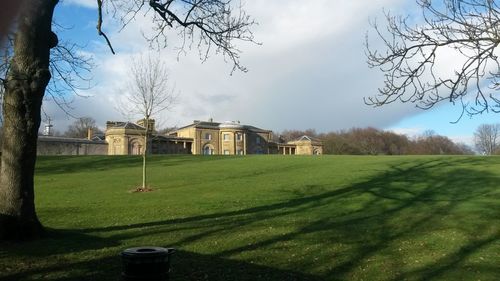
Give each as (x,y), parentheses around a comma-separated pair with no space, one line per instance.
(146,264)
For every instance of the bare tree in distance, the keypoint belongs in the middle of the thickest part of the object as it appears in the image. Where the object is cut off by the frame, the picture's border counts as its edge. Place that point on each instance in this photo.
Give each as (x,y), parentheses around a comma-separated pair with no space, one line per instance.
(212,26)
(148,93)
(80,127)
(486,138)
(366,141)
(468,29)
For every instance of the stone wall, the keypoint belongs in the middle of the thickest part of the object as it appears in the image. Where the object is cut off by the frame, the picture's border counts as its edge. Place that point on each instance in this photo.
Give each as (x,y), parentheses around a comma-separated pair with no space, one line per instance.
(70,146)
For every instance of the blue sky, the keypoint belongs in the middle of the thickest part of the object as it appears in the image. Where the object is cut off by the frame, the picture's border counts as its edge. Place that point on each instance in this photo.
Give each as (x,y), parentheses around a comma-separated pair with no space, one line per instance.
(310,72)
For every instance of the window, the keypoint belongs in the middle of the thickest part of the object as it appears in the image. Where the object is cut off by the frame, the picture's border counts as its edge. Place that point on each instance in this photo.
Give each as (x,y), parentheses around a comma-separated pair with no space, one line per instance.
(239,152)
(136,149)
(226,152)
(239,137)
(257,140)
(208,150)
(227,137)
(208,136)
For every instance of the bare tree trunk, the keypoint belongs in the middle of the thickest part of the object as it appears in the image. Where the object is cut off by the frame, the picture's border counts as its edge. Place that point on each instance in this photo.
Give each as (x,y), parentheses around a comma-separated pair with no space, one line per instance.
(24,89)
(144,153)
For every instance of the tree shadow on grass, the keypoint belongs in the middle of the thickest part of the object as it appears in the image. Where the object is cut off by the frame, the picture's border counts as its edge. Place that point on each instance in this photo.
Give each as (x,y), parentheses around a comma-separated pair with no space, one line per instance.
(368,230)
(184,266)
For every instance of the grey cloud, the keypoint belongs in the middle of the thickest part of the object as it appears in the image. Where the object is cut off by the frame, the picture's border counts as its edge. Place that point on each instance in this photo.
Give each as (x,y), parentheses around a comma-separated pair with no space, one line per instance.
(297,80)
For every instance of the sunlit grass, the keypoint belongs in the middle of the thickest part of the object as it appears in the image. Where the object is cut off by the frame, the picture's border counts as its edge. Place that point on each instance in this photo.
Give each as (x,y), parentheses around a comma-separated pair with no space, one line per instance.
(267,218)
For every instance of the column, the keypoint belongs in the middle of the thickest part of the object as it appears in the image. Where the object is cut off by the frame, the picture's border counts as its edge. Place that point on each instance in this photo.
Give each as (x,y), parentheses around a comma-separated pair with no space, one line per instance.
(234,143)
(198,148)
(245,143)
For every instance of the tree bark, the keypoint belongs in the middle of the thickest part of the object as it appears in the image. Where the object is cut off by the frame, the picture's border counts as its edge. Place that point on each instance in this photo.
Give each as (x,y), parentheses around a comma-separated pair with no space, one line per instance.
(24,90)
(144,155)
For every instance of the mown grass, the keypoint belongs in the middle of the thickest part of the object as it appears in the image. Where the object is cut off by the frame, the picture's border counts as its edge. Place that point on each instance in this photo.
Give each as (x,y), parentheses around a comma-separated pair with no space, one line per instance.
(267,218)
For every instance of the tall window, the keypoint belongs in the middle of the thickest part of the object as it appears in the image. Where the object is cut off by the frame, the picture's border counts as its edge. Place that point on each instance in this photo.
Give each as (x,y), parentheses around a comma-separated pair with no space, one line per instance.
(239,137)
(257,140)
(208,136)
(136,148)
(207,150)
(227,137)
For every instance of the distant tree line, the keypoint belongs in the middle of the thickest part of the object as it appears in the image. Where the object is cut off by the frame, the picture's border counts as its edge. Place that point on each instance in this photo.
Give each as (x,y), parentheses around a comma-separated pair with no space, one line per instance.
(372,141)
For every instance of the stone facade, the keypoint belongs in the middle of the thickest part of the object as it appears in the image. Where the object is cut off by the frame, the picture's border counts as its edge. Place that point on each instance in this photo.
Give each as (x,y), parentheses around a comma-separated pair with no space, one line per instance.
(228,138)
(199,138)
(126,138)
(233,138)
(307,146)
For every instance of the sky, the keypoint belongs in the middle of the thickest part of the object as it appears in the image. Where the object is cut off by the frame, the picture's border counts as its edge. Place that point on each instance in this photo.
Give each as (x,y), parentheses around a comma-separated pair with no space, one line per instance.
(309,72)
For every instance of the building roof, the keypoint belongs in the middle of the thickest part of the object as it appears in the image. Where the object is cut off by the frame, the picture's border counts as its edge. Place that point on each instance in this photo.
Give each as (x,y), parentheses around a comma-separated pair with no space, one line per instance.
(306,138)
(99,137)
(257,130)
(171,138)
(69,140)
(226,124)
(125,125)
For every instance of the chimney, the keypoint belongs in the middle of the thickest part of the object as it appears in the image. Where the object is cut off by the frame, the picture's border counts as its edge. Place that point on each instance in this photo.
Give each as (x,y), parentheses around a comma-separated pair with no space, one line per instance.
(150,125)
(110,124)
(89,133)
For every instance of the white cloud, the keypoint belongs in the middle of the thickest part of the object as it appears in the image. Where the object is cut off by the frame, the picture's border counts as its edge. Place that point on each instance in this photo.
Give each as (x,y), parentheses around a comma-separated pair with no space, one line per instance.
(310,71)
(409,132)
(413,132)
(465,139)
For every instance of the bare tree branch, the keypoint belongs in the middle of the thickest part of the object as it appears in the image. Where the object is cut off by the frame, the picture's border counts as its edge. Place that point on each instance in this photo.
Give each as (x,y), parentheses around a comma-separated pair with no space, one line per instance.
(99,26)
(70,70)
(468,29)
(149,90)
(211,26)
(147,94)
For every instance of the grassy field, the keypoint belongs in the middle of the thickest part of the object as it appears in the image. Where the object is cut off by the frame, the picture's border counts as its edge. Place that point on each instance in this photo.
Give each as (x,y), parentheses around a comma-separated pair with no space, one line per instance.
(267,218)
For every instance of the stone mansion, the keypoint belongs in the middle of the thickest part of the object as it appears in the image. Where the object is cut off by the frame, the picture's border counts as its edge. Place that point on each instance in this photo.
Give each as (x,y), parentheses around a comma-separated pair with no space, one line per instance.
(198,138)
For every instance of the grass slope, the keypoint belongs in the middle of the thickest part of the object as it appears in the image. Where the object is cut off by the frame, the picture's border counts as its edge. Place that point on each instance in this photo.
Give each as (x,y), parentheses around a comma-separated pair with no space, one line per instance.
(267,218)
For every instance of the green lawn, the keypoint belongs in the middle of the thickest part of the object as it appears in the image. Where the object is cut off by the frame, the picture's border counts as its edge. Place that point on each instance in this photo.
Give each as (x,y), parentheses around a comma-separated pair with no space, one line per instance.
(267,218)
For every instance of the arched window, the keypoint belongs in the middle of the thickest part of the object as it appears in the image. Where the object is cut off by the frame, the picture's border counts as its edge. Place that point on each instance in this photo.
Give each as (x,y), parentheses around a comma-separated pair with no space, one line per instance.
(136,148)
(208,150)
